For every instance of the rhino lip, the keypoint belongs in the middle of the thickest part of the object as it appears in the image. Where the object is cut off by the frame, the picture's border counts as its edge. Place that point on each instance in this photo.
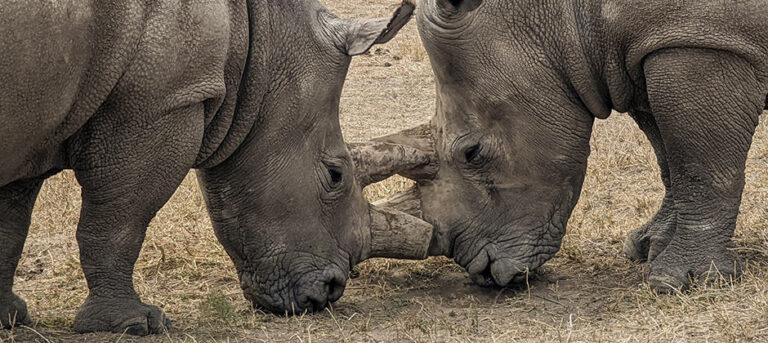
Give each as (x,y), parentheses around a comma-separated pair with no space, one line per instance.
(300,296)
(501,272)
(258,300)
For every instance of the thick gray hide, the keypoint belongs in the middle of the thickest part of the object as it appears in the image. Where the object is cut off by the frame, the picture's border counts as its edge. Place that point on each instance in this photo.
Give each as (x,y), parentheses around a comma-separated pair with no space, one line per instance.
(131,95)
(519,83)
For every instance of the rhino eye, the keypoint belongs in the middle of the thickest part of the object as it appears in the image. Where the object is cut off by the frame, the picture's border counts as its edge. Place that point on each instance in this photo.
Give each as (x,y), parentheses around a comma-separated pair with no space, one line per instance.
(336,176)
(472,154)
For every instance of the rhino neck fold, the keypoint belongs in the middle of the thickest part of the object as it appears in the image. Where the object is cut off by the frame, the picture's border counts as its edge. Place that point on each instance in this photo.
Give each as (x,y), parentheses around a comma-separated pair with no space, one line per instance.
(229,124)
(584,55)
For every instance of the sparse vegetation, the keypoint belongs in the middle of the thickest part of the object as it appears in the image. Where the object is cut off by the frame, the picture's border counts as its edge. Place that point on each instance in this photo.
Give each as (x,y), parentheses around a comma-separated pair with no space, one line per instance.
(587,293)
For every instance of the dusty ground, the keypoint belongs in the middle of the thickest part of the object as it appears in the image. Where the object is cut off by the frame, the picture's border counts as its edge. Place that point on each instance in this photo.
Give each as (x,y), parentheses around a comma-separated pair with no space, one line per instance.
(588,292)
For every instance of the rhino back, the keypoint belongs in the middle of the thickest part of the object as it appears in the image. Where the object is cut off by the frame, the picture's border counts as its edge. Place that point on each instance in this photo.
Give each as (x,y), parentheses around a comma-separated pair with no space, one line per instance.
(641,27)
(63,60)
(633,29)
(59,60)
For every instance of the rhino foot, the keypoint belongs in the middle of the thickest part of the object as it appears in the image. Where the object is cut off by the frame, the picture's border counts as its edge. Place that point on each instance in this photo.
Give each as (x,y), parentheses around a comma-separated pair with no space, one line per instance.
(120,315)
(677,268)
(648,241)
(13,311)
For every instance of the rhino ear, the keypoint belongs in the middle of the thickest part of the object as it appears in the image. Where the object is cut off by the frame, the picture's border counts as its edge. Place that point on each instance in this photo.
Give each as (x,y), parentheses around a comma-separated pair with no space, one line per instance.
(362,34)
(459,5)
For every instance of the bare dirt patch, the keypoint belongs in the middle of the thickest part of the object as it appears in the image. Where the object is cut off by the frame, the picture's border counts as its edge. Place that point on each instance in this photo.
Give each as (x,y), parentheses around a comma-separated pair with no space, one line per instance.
(587,293)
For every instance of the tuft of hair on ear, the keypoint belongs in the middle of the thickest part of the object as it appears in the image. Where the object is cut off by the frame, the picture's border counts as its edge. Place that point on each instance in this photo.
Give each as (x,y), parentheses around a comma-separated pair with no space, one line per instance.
(365,33)
(460,5)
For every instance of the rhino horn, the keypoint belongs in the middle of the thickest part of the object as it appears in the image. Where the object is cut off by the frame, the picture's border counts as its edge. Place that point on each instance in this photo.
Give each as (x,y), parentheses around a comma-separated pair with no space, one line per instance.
(408,202)
(395,234)
(410,153)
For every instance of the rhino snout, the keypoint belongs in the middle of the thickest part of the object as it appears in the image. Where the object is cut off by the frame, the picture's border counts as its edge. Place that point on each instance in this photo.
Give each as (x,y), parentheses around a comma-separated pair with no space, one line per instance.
(487,270)
(312,292)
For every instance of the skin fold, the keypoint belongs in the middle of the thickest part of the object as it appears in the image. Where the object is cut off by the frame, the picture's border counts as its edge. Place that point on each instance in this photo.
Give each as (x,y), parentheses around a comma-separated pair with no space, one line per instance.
(519,85)
(132,95)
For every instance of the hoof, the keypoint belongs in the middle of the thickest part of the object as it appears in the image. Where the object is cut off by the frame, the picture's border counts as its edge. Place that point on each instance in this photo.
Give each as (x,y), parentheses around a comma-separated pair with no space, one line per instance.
(666,284)
(13,311)
(678,268)
(649,241)
(129,316)
(636,245)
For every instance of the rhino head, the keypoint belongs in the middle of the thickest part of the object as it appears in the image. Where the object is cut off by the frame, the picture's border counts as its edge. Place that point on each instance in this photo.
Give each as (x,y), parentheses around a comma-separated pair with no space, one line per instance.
(286,205)
(508,148)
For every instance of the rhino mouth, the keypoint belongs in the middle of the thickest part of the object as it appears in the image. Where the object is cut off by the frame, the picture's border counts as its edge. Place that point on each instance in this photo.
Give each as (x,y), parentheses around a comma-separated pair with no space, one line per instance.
(504,261)
(311,292)
(487,271)
(508,261)
(300,282)
(489,278)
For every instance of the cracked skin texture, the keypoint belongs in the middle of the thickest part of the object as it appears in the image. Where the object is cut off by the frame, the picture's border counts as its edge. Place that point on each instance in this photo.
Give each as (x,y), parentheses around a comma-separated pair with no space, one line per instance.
(519,85)
(133,94)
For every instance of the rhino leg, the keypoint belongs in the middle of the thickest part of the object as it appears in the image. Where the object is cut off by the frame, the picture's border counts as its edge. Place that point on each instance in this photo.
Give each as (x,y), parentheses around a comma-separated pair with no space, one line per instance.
(126,178)
(649,240)
(16,203)
(706,104)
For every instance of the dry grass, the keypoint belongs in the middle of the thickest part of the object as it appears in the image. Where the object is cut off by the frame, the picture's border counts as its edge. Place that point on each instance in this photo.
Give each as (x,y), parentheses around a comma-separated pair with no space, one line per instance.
(587,293)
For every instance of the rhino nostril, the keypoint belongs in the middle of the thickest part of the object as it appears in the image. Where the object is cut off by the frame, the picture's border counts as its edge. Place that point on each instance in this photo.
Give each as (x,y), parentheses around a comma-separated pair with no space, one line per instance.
(479,264)
(487,272)
(505,270)
(317,304)
(336,289)
(483,278)
(335,284)
(303,303)
(326,289)
(479,269)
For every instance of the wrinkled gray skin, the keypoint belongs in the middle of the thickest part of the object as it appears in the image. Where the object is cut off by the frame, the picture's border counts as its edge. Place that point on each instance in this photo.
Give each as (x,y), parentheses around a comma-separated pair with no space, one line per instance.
(519,84)
(131,95)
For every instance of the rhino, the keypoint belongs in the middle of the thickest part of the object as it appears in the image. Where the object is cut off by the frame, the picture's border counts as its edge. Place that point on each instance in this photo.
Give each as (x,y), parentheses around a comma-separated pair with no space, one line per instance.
(519,85)
(132,95)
